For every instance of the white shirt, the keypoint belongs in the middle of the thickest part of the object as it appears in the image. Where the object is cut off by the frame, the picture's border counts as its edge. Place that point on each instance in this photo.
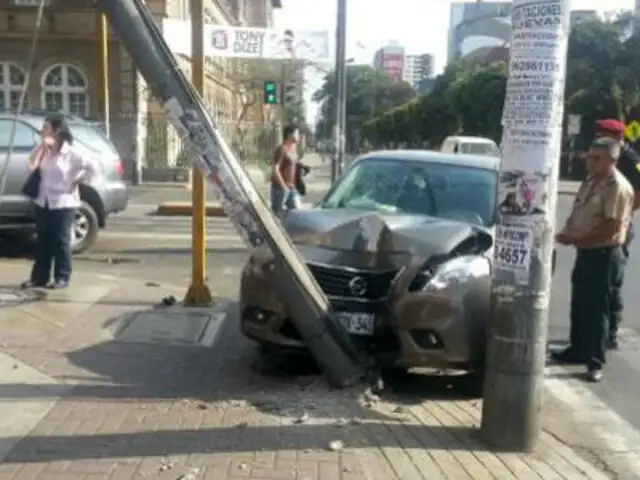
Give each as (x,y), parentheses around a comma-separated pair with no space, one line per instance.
(60,172)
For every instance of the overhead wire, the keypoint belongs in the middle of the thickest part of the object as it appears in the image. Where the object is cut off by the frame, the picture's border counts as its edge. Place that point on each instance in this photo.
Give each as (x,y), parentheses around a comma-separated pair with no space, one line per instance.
(23,95)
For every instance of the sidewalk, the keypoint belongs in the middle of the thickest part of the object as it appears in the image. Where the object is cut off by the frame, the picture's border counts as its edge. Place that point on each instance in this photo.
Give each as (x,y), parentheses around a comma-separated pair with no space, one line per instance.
(90,407)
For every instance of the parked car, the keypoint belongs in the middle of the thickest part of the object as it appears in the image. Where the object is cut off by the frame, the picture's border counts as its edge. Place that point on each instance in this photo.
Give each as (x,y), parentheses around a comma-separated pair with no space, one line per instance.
(401,245)
(470,145)
(104,195)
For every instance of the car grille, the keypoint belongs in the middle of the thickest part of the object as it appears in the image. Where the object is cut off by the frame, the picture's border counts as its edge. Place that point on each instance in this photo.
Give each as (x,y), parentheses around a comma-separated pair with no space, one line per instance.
(339,282)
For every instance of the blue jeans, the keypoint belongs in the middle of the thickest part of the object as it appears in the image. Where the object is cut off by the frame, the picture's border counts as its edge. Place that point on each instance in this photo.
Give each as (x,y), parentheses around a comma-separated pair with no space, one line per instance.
(281,199)
(53,246)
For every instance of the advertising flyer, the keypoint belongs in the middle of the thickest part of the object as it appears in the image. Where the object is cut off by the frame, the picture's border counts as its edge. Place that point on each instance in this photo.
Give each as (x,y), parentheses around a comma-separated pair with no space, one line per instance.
(513,249)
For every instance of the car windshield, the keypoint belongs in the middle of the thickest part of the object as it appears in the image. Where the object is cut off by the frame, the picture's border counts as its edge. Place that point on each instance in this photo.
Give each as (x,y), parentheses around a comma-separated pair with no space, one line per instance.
(437,189)
(91,137)
(477,148)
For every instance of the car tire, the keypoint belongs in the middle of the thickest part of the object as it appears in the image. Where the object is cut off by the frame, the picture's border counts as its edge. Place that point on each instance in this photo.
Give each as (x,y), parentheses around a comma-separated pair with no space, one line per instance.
(85,228)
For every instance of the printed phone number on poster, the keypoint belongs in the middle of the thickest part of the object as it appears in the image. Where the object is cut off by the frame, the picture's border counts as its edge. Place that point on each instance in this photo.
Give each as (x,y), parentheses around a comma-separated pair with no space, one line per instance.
(535,66)
(512,257)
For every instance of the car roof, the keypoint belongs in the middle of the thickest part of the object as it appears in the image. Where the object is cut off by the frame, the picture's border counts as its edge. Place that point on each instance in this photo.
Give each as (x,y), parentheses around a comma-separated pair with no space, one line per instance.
(431,156)
(471,139)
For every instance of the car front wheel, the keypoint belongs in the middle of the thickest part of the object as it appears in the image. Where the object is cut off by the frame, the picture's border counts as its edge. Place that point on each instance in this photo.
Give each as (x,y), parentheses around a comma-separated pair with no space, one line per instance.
(84,230)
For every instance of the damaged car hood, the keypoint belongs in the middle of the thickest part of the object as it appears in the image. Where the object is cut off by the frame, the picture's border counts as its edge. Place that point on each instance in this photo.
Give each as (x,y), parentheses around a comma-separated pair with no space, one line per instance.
(374,240)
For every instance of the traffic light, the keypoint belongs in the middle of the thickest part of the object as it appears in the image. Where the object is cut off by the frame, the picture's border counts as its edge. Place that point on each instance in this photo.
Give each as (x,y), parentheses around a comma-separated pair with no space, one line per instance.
(270,92)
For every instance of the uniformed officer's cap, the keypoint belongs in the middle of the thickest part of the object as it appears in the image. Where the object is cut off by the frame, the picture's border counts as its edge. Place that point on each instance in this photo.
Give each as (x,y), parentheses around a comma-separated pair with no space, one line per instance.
(610,125)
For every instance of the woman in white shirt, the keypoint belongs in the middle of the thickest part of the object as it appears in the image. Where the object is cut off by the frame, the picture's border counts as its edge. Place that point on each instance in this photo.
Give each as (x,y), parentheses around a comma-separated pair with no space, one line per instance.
(62,169)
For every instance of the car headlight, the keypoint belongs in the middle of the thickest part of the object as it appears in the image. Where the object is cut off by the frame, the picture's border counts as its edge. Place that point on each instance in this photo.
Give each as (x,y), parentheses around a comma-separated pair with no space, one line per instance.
(457,271)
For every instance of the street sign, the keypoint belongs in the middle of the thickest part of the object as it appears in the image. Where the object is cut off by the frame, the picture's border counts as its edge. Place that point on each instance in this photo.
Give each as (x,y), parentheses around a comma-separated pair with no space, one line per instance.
(574,124)
(632,132)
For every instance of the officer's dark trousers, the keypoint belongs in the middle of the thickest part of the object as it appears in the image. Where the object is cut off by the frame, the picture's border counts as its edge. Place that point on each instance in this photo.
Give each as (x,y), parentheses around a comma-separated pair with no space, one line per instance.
(616,303)
(594,276)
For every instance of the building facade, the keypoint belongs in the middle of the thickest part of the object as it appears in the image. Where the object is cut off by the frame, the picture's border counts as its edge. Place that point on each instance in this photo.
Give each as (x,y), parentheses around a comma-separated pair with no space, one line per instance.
(67,73)
(477,26)
(417,68)
(390,60)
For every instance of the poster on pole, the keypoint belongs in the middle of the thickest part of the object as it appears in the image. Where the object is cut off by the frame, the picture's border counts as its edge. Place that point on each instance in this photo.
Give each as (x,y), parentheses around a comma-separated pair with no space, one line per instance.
(513,249)
(250,42)
(523,194)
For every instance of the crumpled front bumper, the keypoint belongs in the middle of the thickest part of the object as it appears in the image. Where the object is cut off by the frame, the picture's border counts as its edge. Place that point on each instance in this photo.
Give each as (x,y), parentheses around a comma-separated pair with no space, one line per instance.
(413,329)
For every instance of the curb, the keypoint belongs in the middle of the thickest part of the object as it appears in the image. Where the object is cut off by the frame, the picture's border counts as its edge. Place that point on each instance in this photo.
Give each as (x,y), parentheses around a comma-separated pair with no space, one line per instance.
(185,209)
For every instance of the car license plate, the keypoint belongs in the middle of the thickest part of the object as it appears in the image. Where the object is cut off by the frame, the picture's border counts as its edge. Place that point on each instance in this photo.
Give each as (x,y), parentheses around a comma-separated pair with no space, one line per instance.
(357,323)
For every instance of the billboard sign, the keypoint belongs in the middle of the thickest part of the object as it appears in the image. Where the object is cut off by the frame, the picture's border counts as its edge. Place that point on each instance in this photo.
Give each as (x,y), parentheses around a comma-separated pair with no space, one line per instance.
(393,65)
(250,42)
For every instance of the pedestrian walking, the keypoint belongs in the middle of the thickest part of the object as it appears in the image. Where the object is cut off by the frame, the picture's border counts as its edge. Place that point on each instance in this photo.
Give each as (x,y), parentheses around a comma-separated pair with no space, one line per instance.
(629,166)
(59,169)
(283,172)
(597,227)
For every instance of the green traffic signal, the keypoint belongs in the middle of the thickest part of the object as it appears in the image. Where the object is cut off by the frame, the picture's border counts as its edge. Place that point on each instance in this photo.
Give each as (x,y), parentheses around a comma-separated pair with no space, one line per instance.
(270,92)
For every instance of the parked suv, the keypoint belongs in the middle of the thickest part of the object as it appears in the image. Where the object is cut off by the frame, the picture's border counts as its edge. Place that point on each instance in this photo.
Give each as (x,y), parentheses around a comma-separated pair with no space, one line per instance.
(104,195)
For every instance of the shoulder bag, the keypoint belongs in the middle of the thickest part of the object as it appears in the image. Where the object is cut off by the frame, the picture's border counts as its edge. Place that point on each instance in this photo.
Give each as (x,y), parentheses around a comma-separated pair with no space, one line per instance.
(31,186)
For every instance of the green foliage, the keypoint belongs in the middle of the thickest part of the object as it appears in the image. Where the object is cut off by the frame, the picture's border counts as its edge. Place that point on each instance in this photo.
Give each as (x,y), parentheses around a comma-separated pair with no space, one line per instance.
(369,93)
(603,80)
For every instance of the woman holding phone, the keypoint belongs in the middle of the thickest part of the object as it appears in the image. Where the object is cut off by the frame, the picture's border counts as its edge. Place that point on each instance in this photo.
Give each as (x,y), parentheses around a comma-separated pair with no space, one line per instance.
(61,169)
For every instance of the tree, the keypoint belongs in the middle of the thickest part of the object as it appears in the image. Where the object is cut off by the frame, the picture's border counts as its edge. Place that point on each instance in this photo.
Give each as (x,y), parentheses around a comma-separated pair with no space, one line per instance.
(477,97)
(369,92)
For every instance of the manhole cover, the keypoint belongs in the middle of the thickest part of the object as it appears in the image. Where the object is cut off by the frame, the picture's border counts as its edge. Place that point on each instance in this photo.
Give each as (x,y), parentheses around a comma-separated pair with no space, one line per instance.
(173,327)
(10,297)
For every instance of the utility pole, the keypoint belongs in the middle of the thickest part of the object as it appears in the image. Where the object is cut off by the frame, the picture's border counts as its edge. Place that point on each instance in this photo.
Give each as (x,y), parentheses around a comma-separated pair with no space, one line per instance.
(521,284)
(283,101)
(198,294)
(104,57)
(340,90)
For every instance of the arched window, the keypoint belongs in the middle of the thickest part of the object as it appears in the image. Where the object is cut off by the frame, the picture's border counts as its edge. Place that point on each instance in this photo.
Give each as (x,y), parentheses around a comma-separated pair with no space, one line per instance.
(12,79)
(64,88)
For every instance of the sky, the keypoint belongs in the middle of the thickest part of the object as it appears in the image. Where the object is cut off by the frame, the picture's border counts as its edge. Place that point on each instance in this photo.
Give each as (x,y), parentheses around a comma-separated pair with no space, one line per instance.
(421,26)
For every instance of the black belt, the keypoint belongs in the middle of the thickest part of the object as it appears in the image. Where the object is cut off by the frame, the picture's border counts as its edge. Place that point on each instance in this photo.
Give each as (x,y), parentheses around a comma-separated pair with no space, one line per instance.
(596,250)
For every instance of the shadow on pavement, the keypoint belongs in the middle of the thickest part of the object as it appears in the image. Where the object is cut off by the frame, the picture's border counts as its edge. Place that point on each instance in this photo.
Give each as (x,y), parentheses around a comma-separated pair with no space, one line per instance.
(249,439)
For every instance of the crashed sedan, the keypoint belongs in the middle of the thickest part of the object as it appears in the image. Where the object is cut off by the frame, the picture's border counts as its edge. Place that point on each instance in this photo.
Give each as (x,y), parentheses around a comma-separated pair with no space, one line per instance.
(401,245)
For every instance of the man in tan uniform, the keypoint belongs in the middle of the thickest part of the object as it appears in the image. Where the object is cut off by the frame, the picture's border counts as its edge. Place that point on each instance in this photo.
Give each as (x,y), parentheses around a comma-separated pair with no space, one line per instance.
(597,227)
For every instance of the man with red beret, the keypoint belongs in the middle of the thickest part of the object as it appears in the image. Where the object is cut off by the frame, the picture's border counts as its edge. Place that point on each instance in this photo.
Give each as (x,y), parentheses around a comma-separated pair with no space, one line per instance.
(629,166)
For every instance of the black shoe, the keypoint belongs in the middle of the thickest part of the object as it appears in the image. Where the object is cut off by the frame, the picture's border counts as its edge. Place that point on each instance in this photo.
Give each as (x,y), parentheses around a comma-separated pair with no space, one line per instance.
(594,375)
(30,284)
(612,343)
(568,356)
